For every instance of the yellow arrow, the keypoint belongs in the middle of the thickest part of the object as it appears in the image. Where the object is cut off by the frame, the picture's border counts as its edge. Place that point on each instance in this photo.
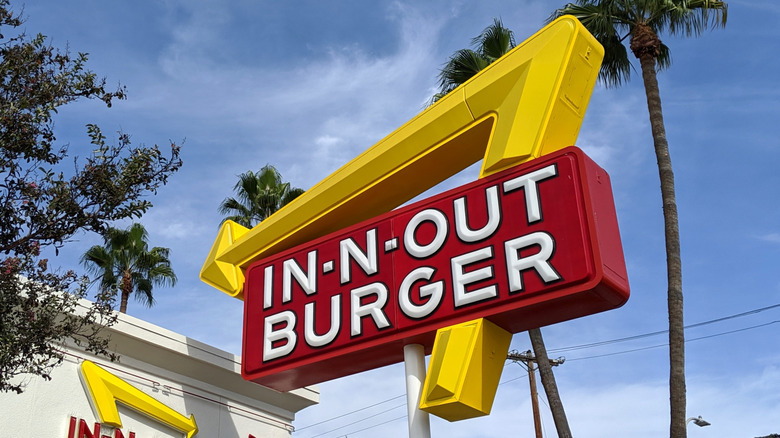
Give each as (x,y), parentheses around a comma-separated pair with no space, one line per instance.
(107,389)
(528,103)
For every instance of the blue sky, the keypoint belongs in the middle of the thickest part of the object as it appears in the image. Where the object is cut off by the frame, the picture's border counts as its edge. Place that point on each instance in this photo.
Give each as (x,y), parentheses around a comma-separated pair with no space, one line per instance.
(308,85)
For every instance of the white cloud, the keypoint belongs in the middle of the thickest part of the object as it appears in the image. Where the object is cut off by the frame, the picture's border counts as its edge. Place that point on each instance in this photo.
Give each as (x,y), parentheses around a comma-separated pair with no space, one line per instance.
(770,237)
(347,94)
(327,141)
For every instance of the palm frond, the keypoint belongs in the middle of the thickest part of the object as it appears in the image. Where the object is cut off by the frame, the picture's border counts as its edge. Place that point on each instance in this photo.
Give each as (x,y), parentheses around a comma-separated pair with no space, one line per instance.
(616,66)
(125,260)
(247,188)
(143,290)
(494,42)
(664,58)
(609,22)
(258,195)
(291,195)
(462,66)
(235,209)
(98,262)
(691,17)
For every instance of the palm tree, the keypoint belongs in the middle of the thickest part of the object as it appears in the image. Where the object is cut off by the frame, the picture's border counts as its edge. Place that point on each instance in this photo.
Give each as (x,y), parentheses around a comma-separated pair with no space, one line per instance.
(494,42)
(641,22)
(259,195)
(125,263)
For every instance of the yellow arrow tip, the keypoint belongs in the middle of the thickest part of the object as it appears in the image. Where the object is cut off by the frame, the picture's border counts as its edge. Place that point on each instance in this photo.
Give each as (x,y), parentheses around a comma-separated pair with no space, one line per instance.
(194,430)
(224,276)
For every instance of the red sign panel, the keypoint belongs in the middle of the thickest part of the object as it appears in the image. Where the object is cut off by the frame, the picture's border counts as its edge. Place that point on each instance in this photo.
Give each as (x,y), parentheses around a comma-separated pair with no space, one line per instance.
(531,246)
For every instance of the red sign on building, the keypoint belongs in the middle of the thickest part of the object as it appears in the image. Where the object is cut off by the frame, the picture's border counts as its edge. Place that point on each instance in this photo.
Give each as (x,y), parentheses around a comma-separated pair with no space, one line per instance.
(531,246)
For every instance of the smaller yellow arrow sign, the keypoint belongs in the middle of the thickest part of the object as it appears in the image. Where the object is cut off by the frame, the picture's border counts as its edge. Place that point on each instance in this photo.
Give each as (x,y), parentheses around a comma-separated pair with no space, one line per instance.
(107,389)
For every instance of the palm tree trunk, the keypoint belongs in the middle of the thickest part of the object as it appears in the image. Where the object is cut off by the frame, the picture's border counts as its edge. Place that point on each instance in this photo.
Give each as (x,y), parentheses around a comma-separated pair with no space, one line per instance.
(127,288)
(123,302)
(677,396)
(548,382)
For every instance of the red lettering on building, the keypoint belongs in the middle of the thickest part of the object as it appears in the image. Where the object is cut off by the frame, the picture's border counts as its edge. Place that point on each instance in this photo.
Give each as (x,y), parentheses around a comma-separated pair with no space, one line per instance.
(72,427)
(82,431)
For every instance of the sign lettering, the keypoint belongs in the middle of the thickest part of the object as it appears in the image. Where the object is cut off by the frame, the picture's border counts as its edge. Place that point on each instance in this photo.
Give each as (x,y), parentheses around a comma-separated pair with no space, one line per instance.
(530,246)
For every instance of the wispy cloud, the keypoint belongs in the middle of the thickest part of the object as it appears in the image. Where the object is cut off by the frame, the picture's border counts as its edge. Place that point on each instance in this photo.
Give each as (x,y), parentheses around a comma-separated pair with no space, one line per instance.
(348,96)
(769,237)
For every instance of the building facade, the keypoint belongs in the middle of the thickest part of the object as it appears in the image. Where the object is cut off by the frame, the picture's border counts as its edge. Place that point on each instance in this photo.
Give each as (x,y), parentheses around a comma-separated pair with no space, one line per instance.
(164,385)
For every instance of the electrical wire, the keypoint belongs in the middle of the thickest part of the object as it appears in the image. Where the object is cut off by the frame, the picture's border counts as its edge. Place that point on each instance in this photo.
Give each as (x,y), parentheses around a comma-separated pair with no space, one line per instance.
(298,429)
(373,405)
(361,420)
(666,344)
(579,347)
(660,332)
(371,427)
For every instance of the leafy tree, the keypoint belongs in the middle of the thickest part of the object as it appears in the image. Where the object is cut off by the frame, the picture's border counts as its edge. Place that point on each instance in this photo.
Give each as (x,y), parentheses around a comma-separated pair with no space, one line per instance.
(494,42)
(36,318)
(126,264)
(46,198)
(259,195)
(641,22)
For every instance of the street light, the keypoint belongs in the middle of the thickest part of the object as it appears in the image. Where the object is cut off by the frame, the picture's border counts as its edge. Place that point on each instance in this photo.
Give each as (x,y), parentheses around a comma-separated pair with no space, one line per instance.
(697,421)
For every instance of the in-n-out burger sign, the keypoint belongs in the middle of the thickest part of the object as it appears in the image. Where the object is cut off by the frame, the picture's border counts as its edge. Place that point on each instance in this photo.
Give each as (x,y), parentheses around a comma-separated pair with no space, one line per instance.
(530,246)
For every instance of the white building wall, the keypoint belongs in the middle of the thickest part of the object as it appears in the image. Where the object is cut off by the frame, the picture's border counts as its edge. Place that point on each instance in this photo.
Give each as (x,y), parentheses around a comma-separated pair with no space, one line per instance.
(187,376)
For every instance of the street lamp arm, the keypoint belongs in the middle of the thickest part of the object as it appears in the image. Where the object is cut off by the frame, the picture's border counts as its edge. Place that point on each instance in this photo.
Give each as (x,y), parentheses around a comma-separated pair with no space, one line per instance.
(697,421)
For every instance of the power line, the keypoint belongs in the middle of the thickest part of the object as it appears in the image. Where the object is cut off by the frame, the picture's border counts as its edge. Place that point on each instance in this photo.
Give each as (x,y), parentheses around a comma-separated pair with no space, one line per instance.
(581,358)
(392,420)
(687,340)
(371,427)
(660,332)
(388,421)
(361,420)
(579,347)
(349,413)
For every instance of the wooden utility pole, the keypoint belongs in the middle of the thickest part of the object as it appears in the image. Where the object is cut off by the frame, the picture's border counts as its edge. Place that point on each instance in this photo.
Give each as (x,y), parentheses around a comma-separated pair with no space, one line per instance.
(528,359)
(534,398)
(548,382)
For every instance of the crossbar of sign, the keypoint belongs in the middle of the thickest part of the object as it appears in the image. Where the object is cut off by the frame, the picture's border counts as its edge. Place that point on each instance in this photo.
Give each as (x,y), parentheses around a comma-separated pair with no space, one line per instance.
(528,103)
(534,245)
